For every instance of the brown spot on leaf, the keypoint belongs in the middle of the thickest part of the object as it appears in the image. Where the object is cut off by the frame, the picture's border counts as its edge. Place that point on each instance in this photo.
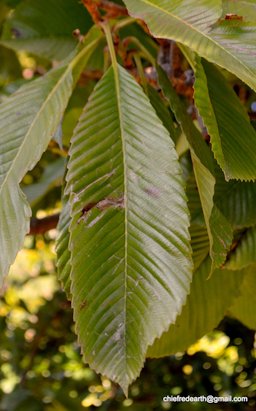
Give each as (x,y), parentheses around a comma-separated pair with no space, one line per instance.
(110,202)
(231,16)
(102,205)
(153,192)
(83,305)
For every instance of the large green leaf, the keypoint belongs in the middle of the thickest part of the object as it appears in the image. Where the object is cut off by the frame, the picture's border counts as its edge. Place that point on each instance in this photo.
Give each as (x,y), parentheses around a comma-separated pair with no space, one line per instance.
(28,120)
(206,305)
(45,27)
(197,24)
(244,307)
(130,252)
(233,138)
(219,229)
(245,251)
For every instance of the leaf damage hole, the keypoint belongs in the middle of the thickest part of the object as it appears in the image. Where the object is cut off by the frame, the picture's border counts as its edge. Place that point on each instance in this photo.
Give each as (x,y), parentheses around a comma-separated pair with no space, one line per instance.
(102,205)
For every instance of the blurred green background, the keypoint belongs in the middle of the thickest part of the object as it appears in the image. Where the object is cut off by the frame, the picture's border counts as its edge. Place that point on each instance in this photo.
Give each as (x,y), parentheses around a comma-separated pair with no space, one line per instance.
(41,366)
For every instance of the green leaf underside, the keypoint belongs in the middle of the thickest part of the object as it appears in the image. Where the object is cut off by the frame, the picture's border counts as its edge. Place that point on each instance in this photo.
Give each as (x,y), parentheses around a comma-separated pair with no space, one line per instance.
(196,24)
(62,250)
(233,139)
(206,305)
(244,253)
(244,307)
(130,252)
(29,119)
(45,29)
(218,227)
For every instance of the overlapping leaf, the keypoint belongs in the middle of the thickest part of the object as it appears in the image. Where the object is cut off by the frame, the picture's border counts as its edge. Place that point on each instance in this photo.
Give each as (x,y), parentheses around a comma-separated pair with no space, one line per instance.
(130,253)
(28,120)
(233,139)
(206,305)
(219,229)
(197,24)
(45,28)
(244,307)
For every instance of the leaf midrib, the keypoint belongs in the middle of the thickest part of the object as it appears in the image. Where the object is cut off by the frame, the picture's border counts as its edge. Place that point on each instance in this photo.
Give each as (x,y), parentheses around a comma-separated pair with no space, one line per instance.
(70,66)
(118,94)
(199,32)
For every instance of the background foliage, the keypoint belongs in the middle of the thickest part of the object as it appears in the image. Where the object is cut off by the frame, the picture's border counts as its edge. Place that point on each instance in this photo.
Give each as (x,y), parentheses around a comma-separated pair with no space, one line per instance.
(48,71)
(41,367)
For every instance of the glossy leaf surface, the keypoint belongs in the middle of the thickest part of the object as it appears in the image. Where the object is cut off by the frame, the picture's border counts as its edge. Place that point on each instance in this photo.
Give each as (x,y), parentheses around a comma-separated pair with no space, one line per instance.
(129,242)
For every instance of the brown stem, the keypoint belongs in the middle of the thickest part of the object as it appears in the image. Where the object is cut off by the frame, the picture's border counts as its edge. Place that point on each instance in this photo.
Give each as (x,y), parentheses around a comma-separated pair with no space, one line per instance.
(92,7)
(42,225)
(113,10)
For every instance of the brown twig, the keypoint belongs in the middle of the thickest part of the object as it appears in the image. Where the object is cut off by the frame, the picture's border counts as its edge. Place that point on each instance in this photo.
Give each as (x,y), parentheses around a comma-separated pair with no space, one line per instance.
(92,7)
(42,225)
(113,10)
